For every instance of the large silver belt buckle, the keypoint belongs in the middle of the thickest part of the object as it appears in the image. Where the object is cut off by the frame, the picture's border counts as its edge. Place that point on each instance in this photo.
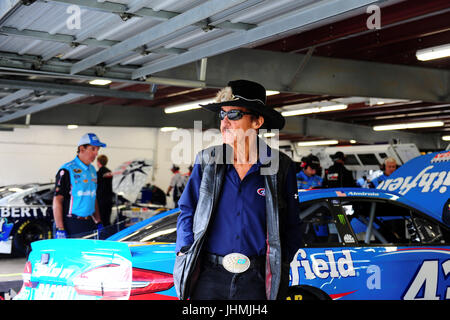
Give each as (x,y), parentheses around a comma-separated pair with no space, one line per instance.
(236,262)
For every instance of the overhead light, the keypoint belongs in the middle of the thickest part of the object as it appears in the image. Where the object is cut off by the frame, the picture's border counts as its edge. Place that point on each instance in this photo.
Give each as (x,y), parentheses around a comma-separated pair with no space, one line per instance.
(433,53)
(317,143)
(298,112)
(269,135)
(352,141)
(412,125)
(446,138)
(100,82)
(187,106)
(271,92)
(167,129)
(72,126)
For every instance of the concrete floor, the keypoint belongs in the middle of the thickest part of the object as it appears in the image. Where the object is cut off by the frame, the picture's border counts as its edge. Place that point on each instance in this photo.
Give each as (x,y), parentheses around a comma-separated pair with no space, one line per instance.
(11,273)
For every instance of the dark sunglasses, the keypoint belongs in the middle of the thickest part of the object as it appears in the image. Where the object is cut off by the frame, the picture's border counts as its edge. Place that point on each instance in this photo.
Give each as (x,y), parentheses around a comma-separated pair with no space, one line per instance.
(234,114)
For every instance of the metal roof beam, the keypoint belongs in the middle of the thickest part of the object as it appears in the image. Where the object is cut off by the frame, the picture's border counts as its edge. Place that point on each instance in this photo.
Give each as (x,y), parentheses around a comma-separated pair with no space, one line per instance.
(42,106)
(320,11)
(81,89)
(178,22)
(323,75)
(65,38)
(364,134)
(138,116)
(19,94)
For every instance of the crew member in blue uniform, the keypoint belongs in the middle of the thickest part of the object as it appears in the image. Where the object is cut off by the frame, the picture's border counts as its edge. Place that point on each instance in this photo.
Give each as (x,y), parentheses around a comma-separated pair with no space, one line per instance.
(250,216)
(388,167)
(75,207)
(308,177)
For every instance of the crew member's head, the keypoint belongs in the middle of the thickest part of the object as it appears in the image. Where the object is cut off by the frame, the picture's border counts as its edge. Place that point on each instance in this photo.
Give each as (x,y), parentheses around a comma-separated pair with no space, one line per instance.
(390,165)
(174,168)
(102,160)
(310,165)
(242,110)
(88,147)
(338,157)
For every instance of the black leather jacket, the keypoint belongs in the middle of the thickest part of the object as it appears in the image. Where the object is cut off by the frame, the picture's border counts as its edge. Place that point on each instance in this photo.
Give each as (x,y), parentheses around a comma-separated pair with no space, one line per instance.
(186,267)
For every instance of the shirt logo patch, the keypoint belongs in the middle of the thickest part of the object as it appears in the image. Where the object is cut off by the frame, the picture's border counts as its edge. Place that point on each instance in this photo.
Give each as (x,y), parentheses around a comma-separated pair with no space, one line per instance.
(261,192)
(77,170)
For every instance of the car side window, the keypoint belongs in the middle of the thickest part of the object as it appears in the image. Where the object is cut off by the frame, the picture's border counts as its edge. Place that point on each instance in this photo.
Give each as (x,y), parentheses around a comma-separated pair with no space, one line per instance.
(318,225)
(383,222)
(427,231)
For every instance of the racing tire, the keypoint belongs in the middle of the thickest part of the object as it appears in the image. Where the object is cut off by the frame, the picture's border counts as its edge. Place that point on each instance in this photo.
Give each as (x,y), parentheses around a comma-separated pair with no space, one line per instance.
(27,232)
(306,293)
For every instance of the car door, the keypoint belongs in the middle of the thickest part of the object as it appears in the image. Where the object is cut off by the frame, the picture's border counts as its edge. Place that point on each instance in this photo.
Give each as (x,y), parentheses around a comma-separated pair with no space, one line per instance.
(362,248)
(401,252)
(325,259)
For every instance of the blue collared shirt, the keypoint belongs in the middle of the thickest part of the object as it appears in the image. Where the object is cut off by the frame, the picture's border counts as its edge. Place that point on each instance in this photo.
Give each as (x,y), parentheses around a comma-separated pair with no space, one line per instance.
(240,218)
(306,182)
(83,187)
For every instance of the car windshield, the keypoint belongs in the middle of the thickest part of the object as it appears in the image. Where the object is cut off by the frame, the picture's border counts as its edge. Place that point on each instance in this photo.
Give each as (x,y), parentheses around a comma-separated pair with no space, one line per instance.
(161,230)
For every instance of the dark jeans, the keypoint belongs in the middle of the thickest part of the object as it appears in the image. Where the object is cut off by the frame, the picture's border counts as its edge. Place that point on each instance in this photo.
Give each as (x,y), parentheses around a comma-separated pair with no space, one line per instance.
(76,228)
(216,283)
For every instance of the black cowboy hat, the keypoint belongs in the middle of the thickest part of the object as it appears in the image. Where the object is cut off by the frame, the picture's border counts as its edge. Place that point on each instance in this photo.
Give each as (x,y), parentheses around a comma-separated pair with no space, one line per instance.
(250,95)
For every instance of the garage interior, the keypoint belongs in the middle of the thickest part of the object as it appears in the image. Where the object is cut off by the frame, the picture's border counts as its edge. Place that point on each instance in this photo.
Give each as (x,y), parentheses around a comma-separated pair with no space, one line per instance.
(359,56)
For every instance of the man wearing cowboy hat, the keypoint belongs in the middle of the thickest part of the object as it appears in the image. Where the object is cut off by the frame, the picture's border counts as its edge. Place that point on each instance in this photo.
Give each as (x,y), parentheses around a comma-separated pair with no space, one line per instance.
(238,228)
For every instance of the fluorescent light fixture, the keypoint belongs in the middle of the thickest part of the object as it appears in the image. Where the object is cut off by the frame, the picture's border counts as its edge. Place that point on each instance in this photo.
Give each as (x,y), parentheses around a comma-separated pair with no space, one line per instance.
(317,143)
(72,126)
(446,138)
(167,129)
(433,53)
(100,82)
(187,106)
(269,135)
(298,112)
(271,92)
(412,125)
(352,141)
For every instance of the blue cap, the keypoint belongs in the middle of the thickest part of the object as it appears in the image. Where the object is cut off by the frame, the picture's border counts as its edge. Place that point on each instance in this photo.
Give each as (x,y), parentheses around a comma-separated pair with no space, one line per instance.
(92,139)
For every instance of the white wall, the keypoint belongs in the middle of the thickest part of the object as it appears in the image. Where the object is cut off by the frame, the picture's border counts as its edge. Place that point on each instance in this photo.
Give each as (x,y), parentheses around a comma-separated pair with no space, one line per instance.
(35,154)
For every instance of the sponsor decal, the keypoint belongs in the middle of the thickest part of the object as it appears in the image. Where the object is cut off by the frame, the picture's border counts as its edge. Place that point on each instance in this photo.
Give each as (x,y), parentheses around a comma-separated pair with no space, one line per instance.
(23,212)
(363,194)
(341,218)
(341,194)
(441,157)
(348,238)
(77,170)
(261,192)
(332,264)
(427,181)
(86,193)
(333,176)
(5,229)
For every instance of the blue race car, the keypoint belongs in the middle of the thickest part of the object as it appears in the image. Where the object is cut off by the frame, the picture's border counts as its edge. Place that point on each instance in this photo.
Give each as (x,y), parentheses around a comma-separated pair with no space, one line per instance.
(387,243)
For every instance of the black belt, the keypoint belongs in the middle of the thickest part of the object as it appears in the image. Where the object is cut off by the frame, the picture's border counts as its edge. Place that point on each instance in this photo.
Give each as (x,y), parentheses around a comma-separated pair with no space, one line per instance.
(218,260)
(74,216)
